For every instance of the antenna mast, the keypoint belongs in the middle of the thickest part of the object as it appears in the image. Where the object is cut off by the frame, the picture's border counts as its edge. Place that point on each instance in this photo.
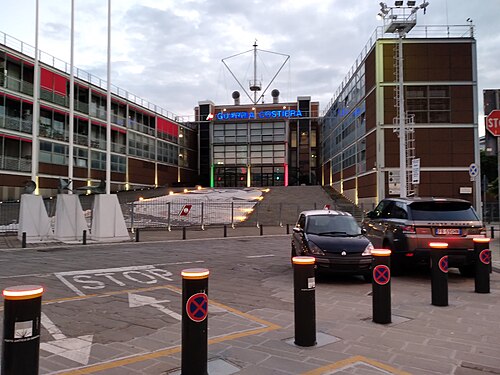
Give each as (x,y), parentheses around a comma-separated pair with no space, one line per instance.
(255,85)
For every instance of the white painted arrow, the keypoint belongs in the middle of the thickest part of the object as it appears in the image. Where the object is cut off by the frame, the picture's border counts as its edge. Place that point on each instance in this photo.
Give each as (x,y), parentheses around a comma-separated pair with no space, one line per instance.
(136,300)
(77,349)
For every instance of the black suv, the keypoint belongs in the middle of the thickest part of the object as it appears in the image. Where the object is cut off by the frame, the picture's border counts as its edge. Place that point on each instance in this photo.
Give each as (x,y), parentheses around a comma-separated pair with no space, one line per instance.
(407,225)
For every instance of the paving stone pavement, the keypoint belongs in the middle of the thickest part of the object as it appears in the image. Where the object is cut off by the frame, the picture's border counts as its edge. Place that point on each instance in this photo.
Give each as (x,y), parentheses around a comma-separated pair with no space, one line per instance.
(251,319)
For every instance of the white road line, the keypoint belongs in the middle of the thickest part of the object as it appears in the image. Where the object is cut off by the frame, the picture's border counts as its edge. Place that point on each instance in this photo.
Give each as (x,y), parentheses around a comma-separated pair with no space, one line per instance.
(260,256)
(52,328)
(71,286)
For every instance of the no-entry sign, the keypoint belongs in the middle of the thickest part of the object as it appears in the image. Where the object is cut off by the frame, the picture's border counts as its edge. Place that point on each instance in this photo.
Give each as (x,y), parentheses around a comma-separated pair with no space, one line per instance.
(493,122)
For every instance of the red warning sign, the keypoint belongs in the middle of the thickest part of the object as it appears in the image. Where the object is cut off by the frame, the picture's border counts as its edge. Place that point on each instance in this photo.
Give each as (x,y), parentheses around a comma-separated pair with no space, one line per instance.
(327,207)
(443,264)
(485,256)
(185,210)
(197,307)
(381,274)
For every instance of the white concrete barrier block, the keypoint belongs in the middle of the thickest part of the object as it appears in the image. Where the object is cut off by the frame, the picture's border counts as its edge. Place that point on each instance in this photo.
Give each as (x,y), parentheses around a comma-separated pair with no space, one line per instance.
(33,219)
(70,220)
(108,223)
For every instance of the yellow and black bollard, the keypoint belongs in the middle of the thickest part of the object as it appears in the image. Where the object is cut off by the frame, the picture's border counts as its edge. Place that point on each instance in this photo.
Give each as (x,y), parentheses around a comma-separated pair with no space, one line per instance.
(381,286)
(304,285)
(21,329)
(482,253)
(194,358)
(439,273)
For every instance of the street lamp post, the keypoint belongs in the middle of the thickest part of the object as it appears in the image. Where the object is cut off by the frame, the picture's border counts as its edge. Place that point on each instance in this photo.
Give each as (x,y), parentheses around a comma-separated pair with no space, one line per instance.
(400,19)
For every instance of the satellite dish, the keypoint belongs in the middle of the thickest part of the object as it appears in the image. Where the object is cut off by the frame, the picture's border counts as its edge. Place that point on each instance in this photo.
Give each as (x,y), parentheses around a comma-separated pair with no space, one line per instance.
(63,185)
(29,187)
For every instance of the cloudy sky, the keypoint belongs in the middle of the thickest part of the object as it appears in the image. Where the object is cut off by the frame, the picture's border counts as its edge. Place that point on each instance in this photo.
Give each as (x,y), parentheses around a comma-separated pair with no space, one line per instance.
(169,51)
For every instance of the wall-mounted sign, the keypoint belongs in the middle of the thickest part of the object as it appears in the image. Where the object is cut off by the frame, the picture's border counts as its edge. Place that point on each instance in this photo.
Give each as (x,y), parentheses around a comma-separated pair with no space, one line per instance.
(282,113)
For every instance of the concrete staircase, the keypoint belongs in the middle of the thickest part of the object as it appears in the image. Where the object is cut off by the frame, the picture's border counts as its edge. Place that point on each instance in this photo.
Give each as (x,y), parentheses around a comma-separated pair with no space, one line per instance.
(344,204)
(283,204)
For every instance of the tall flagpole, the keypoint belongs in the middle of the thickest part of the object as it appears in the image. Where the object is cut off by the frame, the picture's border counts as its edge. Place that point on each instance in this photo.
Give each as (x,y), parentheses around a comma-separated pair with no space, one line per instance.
(36,108)
(108,108)
(71,97)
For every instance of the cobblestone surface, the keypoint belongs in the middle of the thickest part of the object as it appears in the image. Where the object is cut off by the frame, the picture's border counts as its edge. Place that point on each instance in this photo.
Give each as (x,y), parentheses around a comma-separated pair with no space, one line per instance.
(88,292)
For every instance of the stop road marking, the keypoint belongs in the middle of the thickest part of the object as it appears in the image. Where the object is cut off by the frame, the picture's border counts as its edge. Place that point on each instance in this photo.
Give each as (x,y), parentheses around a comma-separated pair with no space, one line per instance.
(122,277)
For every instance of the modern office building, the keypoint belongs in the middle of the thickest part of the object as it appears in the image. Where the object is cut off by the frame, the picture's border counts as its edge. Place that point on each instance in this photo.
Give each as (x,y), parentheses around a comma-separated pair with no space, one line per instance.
(149,146)
(263,144)
(360,143)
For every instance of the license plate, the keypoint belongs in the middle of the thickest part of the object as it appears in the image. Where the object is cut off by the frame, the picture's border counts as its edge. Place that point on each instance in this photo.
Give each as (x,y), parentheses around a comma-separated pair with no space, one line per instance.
(448,231)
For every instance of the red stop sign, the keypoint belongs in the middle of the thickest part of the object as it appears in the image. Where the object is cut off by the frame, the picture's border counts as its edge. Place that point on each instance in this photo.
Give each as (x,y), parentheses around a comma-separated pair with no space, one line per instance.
(493,122)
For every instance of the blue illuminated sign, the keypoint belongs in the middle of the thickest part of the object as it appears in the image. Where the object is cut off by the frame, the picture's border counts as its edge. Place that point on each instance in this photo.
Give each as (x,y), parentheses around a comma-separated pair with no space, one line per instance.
(283,113)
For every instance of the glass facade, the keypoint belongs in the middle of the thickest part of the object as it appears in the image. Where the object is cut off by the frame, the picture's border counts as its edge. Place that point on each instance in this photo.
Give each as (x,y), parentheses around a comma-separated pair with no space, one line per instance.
(258,148)
(344,124)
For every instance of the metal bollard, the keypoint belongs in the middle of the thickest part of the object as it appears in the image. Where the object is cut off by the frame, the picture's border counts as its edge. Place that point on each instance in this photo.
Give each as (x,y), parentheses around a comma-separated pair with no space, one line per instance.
(183,233)
(23,243)
(21,329)
(492,232)
(194,357)
(482,254)
(288,229)
(84,237)
(381,286)
(225,230)
(439,273)
(304,296)
(137,236)
(261,228)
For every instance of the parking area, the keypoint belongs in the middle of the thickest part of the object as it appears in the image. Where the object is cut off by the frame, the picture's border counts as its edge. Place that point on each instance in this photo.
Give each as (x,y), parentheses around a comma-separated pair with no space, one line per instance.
(115,309)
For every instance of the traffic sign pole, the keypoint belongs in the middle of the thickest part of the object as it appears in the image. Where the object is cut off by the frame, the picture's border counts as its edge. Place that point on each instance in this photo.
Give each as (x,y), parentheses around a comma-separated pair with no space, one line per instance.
(493,126)
(439,273)
(482,255)
(304,296)
(194,357)
(381,286)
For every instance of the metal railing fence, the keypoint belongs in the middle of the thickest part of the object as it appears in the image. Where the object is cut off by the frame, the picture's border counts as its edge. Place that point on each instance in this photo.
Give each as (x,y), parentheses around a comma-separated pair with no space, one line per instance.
(188,213)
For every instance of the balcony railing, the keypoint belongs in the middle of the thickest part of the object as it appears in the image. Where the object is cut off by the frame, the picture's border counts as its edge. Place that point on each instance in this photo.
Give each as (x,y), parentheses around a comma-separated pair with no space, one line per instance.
(18,85)
(15,123)
(50,60)
(118,148)
(82,140)
(15,164)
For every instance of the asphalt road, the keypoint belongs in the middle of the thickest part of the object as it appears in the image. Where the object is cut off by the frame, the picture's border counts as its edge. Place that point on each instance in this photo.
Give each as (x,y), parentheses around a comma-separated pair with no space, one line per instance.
(116,308)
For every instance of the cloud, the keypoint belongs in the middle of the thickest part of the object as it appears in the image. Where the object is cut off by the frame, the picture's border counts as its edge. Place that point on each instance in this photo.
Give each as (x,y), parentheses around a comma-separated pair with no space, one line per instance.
(169,52)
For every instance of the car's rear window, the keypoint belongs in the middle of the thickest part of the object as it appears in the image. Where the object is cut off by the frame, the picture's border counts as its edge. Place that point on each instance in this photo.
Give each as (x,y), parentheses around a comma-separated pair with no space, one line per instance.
(456,211)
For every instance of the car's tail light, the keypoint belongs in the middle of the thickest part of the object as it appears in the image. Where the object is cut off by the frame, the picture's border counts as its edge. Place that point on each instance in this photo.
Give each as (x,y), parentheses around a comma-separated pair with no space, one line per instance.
(408,229)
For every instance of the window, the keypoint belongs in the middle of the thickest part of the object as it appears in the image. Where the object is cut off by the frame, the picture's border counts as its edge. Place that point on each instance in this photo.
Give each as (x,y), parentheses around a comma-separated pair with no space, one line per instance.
(53,153)
(429,104)
(98,160)
(80,157)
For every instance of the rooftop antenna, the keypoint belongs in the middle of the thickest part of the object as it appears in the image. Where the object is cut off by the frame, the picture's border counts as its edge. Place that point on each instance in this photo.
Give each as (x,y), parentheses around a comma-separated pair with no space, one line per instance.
(255,85)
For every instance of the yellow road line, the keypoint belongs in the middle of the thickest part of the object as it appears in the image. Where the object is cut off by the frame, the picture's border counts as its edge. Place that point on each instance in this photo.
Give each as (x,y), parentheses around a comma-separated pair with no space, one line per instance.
(99,295)
(351,361)
(268,326)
